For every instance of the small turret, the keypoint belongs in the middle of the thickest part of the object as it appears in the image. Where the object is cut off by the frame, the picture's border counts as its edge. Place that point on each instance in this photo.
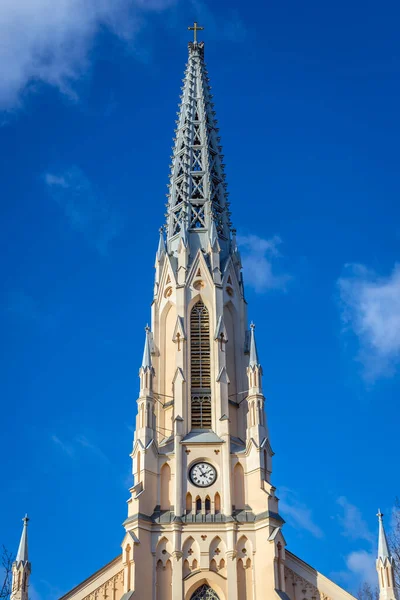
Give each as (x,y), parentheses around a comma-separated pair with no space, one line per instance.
(254,370)
(255,417)
(385,565)
(146,361)
(253,362)
(160,255)
(21,569)
(161,246)
(145,421)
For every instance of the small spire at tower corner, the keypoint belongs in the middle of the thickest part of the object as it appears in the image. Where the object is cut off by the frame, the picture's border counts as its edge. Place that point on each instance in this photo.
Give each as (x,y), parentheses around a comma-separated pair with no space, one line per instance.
(22,554)
(146,362)
(383,546)
(254,362)
(161,250)
(213,233)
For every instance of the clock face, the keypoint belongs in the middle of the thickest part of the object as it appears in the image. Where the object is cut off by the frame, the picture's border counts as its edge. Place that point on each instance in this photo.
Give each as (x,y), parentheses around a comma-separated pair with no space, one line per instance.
(202,474)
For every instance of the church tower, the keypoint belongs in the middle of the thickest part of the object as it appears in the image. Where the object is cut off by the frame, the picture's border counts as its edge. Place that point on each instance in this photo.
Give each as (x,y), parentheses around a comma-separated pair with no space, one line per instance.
(203,516)
(203,520)
(21,568)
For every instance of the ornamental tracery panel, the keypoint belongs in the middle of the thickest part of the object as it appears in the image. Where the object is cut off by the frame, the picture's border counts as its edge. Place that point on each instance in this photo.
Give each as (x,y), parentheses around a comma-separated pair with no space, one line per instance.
(205,593)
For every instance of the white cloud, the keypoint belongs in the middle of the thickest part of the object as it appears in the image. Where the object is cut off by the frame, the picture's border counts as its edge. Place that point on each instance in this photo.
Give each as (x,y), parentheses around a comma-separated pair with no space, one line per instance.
(371,309)
(74,447)
(86,210)
(352,523)
(259,257)
(50,42)
(362,564)
(297,514)
(85,443)
(360,569)
(67,448)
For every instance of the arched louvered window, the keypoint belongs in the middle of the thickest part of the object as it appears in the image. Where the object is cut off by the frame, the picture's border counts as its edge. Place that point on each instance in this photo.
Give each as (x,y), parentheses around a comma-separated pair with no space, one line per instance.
(200,366)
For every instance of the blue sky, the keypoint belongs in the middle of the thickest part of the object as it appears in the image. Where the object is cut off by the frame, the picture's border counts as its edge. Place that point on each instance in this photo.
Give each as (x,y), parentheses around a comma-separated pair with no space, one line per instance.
(307,97)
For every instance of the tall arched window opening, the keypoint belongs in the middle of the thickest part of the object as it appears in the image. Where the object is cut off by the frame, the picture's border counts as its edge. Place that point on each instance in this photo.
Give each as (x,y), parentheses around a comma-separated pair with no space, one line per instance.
(200,367)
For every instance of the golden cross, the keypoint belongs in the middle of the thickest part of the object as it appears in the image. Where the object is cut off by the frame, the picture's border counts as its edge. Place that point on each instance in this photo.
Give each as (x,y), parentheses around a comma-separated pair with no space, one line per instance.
(195,28)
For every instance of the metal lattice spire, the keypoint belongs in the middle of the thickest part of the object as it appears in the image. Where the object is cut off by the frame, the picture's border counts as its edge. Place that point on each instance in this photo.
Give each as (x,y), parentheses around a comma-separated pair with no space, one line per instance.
(197,190)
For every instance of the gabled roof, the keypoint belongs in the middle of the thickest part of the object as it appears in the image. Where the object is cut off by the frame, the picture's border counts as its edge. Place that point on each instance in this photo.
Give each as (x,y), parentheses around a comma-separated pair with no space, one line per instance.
(202,437)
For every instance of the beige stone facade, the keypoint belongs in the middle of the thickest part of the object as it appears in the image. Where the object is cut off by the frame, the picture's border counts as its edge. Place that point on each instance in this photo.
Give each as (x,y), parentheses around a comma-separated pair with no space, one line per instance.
(203,516)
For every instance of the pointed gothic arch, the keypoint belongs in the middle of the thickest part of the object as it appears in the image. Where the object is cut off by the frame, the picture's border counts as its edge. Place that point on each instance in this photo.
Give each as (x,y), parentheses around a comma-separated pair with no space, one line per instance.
(165,487)
(241,580)
(186,568)
(200,366)
(238,483)
(138,466)
(164,581)
(217,504)
(188,503)
(198,505)
(204,592)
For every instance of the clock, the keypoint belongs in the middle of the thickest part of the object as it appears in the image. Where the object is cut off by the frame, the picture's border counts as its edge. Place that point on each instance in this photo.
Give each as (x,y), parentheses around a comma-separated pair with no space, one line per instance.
(202,474)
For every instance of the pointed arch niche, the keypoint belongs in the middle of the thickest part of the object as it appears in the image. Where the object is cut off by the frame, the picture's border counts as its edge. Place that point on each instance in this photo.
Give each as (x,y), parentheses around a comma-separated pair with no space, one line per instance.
(164,580)
(200,367)
(230,349)
(165,487)
(167,364)
(239,492)
(244,571)
(137,479)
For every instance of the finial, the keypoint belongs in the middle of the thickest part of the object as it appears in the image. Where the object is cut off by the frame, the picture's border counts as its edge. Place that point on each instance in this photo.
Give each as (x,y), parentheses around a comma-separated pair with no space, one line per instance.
(252,326)
(147,328)
(380,515)
(195,29)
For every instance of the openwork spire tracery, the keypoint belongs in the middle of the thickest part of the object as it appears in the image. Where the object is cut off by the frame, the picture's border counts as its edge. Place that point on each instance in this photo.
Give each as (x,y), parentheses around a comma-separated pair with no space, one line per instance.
(197,190)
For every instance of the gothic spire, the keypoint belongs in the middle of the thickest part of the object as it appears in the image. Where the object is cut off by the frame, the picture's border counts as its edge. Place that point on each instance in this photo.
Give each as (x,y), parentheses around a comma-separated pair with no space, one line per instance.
(21,568)
(161,246)
(385,566)
(383,547)
(22,554)
(197,189)
(146,362)
(254,362)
